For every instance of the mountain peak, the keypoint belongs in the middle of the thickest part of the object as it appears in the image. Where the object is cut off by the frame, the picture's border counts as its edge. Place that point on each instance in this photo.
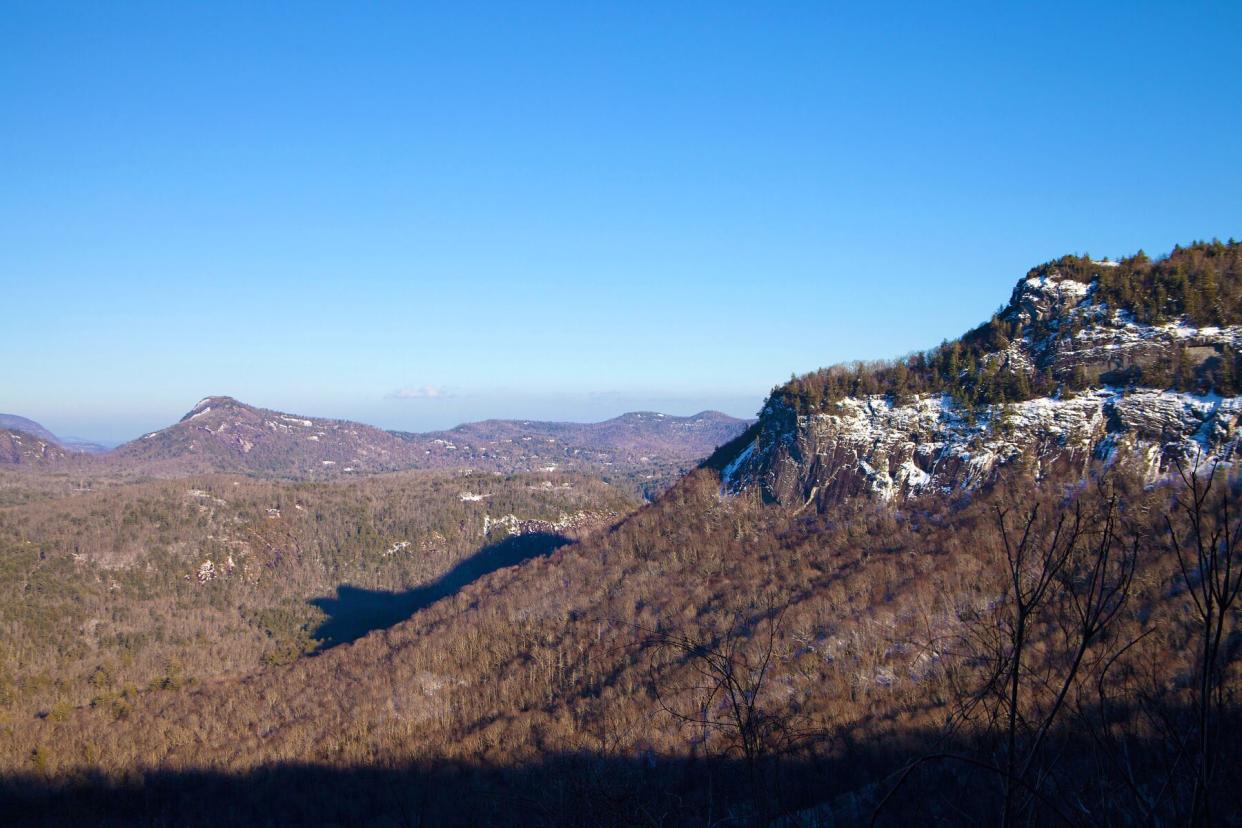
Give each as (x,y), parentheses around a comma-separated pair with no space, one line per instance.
(215,402)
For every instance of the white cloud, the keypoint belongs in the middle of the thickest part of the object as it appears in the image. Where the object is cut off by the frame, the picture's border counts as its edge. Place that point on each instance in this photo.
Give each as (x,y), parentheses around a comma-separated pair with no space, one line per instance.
(423,392)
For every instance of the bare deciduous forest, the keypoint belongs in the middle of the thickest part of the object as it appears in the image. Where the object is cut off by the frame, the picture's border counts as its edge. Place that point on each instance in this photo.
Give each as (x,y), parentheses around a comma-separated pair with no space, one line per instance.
(1044,653)
(128,587)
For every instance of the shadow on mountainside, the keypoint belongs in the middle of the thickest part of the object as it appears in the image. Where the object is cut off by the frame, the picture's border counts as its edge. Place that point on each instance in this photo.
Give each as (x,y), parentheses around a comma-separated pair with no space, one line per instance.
(561,790)
(356,611)
(841,787)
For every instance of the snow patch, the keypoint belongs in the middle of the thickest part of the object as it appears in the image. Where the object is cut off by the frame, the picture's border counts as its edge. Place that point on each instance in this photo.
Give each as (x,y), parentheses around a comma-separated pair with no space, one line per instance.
(896,450)
(730,471)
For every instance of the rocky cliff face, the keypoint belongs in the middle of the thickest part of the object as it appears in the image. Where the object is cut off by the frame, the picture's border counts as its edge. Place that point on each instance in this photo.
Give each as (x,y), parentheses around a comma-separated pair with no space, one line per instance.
(876,446)
(1065,328)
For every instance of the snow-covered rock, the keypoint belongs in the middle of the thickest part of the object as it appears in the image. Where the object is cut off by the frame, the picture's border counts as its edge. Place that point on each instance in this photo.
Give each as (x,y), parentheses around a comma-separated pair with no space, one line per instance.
(871,446)
(1066,328)
(875,446)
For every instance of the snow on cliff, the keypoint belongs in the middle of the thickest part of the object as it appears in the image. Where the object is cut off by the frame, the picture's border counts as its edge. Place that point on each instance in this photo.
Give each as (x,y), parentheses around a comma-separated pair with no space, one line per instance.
(873,446)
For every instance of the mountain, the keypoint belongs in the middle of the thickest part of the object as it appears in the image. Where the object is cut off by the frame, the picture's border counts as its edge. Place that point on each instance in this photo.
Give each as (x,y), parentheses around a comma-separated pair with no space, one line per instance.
(650,448)
(1089,362)
(83,446)
(13,422)
(224,435)
(1008,646)
(27,449)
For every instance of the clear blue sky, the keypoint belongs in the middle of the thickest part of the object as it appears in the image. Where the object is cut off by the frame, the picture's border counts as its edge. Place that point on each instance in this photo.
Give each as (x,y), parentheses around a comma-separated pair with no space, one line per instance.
(566,210)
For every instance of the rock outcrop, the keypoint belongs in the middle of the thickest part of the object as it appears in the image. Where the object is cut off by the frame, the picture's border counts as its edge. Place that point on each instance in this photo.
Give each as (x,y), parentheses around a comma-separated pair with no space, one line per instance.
(877,446)
(1064,328)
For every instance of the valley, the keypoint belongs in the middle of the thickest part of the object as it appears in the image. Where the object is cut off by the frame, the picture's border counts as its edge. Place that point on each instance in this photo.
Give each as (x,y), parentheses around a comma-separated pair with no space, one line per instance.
(202,576)
(1007,566)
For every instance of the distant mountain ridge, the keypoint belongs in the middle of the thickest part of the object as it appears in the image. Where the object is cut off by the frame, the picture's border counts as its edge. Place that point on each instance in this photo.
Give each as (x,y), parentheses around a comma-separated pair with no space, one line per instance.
(222,434)
(636,439)
(16,423)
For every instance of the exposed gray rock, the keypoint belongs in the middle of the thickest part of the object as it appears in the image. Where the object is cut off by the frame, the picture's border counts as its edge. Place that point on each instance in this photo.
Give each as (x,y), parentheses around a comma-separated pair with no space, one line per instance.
(872,446)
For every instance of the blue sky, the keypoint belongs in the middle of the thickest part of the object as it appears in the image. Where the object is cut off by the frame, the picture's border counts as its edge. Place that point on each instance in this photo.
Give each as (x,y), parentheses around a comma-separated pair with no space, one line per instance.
(418,214)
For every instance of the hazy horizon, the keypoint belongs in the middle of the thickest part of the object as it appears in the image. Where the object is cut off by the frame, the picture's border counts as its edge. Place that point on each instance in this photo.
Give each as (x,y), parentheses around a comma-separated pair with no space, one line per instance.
(417,415)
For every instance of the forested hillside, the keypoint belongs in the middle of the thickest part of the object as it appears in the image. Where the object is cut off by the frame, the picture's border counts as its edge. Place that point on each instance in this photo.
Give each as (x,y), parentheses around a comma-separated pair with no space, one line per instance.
(143,586)
(726,660)
(26,449)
